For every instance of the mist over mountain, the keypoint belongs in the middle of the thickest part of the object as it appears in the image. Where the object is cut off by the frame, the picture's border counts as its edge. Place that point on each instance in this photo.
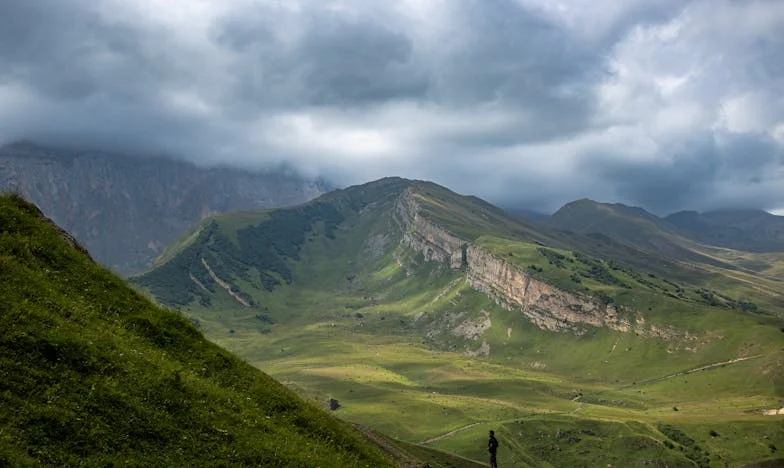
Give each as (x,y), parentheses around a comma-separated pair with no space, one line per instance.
(125,209)
(192,146)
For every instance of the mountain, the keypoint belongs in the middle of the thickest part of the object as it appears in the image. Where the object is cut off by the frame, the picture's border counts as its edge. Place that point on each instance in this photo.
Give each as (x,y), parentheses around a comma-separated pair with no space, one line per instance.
(92,373)
(750,230)
(434,316)
(741,243)
(126,209)
(631,225)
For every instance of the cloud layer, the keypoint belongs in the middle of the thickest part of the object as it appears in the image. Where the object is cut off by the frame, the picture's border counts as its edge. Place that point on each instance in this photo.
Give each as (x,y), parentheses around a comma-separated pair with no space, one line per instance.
(665,104)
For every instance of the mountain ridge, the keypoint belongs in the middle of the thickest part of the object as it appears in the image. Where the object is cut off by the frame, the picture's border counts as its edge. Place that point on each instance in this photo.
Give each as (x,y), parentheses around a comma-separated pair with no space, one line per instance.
(748,230)
(125,209)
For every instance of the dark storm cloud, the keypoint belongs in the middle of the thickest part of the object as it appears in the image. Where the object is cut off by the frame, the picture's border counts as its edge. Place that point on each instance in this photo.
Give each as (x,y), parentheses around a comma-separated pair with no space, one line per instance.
(740,173)
(515,57)
(337,61)
(66,51)
(667,104)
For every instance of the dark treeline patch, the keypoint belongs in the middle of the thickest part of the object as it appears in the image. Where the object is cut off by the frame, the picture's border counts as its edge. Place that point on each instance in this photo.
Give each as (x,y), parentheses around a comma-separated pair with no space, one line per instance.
(260,255)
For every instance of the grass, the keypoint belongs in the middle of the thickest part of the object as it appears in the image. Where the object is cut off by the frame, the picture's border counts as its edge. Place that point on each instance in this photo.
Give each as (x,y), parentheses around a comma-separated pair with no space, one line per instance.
(94,374)
(378,329)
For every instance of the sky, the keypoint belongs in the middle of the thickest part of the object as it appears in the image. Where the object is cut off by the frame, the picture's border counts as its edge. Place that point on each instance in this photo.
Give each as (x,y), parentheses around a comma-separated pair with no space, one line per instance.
(663,104)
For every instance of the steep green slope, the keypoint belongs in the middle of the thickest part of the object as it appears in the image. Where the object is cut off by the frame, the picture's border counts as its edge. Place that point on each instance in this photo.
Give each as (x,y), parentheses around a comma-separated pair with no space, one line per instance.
(91,374)
(391,298)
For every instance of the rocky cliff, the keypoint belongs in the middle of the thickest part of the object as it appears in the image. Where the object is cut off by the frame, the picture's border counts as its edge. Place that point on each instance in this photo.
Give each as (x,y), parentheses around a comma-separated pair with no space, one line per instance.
(422,235)
(546,306)
(124,210)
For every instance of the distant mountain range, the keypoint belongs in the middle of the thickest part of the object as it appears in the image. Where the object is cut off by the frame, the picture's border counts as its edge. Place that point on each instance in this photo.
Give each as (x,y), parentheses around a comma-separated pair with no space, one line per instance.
(752,230)
(126,209)
(747,230)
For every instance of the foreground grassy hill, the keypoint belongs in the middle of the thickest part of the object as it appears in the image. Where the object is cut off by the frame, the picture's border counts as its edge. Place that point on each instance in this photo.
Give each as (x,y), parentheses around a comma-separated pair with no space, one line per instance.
(391,297)
(91,373)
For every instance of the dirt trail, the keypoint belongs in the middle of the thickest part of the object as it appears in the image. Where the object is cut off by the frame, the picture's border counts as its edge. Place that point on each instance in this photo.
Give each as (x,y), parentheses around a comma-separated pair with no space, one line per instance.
(400,456)
(450,433)
(691,371)
(405,459)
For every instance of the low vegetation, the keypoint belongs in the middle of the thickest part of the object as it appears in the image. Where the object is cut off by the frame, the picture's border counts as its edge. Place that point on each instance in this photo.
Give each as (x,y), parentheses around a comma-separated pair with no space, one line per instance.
(410,349)
(91,373)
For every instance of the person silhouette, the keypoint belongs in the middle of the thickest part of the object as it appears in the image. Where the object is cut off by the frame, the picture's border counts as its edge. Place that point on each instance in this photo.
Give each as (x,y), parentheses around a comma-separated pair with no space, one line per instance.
(492,447)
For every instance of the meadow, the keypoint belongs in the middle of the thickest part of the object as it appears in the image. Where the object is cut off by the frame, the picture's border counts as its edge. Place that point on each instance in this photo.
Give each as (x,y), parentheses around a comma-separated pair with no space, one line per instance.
(410,350)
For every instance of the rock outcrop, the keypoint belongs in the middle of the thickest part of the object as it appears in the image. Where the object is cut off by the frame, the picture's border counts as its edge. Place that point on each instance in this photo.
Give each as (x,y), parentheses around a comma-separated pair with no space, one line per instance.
(547,307)
(422,235)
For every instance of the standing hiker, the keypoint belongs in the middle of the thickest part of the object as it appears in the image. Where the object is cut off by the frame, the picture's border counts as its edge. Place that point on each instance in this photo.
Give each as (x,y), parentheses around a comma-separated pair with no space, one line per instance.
(492,447)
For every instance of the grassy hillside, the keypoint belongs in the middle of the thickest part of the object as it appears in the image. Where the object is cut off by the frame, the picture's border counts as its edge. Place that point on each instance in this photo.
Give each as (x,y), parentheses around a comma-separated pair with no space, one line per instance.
(91,374)
(411,350)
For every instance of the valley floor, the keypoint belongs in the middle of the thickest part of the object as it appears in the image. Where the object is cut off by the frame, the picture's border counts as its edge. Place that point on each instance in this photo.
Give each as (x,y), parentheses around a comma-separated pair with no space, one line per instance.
(449,401)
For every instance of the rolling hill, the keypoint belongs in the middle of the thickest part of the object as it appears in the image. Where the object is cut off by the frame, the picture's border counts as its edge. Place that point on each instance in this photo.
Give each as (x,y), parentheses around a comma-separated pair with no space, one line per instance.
(433,316)
(91,373)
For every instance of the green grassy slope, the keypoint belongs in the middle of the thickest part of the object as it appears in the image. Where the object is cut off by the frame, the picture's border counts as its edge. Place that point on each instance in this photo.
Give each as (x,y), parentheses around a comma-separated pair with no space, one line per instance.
(357,317)
(91,373)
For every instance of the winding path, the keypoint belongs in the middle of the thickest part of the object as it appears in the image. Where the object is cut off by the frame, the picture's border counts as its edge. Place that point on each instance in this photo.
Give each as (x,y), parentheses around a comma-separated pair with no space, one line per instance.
(691,371)
(450,433)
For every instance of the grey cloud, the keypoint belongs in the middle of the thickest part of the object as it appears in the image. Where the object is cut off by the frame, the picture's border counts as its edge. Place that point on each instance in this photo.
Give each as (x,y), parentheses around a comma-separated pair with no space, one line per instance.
(698,174)
(67,51)
(467,93)
(514,56)
(358,63)
(336,61)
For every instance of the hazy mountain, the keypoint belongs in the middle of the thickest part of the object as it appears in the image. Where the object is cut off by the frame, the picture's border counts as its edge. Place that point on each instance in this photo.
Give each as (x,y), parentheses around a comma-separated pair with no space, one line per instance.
(752,230)
(673,235)
(126,209)
(426,313)
(633,226)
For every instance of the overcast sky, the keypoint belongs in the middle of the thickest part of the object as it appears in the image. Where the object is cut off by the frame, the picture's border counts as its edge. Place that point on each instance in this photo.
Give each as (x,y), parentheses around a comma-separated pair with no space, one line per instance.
(664,104)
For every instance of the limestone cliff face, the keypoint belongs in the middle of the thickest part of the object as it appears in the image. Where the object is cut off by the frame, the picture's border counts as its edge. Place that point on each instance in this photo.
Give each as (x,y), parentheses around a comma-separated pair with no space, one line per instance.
(546,306)
(422,235)
(124,210)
